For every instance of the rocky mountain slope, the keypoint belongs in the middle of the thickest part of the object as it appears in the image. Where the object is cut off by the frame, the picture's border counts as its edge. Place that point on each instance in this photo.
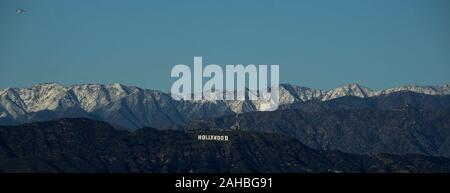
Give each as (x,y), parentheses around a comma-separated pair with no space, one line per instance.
(83,145)
(132,107)
(398,123)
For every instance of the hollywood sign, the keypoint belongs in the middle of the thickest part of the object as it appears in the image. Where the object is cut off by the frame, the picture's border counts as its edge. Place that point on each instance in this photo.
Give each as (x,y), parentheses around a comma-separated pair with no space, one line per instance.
(212,137)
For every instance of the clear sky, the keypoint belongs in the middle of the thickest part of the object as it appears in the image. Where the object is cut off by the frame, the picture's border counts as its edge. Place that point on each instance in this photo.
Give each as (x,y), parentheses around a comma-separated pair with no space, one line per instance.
(319,44)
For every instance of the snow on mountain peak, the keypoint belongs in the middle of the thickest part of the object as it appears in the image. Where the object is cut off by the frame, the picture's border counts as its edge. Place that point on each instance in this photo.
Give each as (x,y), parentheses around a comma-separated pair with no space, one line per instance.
(43,96)
(348,90)
(93,96)
(115,100)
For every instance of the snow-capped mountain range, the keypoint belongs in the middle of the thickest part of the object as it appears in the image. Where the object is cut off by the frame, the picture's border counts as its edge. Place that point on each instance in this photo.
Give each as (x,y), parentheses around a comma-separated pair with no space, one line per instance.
(133,107)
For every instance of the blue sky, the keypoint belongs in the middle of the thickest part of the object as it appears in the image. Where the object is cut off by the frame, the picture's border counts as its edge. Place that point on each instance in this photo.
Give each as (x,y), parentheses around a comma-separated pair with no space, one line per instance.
(317,43)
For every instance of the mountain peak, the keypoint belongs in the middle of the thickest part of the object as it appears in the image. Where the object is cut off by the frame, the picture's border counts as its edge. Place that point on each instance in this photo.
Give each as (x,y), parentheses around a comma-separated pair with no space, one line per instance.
(116,85)
(348,90)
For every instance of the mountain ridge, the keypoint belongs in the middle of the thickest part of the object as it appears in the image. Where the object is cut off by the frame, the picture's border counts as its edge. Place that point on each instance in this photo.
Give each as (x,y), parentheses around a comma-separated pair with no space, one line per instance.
(83,145)
(134,107)
(386,124)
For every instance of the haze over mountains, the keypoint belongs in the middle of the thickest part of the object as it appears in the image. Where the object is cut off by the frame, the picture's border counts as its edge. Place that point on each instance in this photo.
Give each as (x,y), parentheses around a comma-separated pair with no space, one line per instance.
(132,107)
